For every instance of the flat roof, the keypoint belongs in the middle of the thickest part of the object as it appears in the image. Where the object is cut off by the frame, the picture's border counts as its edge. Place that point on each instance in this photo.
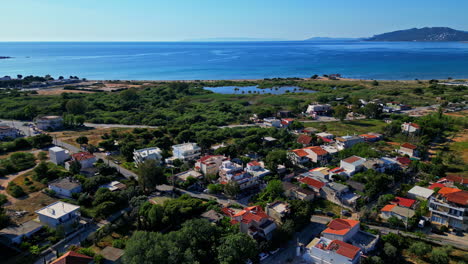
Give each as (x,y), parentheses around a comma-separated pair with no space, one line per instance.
(57,209)
(421,191)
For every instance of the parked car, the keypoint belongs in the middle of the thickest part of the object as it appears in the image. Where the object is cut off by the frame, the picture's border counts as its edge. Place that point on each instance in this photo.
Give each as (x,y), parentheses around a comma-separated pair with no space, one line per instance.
(330,214)
(263,256)
(345,213)
(274,251)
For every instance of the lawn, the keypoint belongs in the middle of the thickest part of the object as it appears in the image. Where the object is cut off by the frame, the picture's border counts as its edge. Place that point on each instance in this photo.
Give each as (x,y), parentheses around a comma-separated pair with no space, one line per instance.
(160,199)
(94,135)
(343,128)
(326,206)
(30,204)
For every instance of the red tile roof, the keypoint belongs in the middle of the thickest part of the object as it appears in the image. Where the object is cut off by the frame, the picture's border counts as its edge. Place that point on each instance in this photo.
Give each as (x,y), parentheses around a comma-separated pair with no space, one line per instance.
(388,208)
(72,257)
(326,139)
(318,150)
(253,213)
(405,202)
(312,182)
(447,190)
(82,156)
(414,125)
(409,146)
(404,160)
(300,152)
(436,185)
(304,139)
(340,226)
(344,249)
(352,159)
(208,157)
(457,179)
(288,119)
(460,197)
(254,163)
(227,211)
(367,136)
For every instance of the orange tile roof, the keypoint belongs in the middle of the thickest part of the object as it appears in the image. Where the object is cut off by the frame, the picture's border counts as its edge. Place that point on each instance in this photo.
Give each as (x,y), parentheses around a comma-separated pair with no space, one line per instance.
(253,213)
(300,152)
(344,249)
(312,182)
(352,159)
(340,226)
(447,190)
(82,156)
(388,208)
(460,197)
(436,185)
(304,139)
(457,179)
(318,150)
(254,163)
(409,146)
(405,202)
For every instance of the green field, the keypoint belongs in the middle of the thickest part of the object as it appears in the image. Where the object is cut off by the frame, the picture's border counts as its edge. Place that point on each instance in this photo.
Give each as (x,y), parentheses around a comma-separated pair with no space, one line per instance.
(343,128)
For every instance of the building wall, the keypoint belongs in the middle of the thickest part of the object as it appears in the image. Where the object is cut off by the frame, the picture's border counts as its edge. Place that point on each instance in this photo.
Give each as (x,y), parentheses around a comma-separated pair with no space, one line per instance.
(58,157)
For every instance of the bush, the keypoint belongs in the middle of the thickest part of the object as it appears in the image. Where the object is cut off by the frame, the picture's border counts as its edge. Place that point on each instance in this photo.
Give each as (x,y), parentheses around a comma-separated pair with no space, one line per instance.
(15,190)
(118,243)
(420,249)
(3,199)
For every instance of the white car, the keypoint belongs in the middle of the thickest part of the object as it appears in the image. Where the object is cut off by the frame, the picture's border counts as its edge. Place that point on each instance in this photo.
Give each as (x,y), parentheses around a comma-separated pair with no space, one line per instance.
(263,256)
(274,251)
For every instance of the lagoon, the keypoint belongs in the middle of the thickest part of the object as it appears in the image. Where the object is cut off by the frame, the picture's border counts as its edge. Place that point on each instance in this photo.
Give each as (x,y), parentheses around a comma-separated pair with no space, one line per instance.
(255,89)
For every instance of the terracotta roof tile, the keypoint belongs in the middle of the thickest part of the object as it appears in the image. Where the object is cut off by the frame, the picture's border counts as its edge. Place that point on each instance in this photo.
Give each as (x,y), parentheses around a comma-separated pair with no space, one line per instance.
(405,202)
(318,150)
(344,249)
(300,152)
(72,257)
(388,208)
(312,182)
(82,156)
(409,146)
(340,226)
(304,139)
(458,197)
(352,159)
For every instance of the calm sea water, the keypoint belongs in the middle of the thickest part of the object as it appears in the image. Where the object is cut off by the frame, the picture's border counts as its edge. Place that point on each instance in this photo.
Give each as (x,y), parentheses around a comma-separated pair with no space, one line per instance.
(235,60)
(255,89)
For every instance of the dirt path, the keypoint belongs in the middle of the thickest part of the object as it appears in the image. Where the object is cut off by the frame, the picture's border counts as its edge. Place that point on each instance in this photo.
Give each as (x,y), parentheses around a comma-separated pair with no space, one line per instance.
(4,184)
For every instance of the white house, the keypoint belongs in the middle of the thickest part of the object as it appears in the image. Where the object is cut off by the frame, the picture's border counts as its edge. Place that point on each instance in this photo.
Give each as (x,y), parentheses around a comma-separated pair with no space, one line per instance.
(185,152)
(86,160)
(59,214)
(49,122)
(154,153)
(8,132)
(65,187)
(418,192)
(410,127)
(271,121)
(257,169)
(209,164)
(409,149)
(318,109)
(352,165)
(327,251)
(348,141)
(58,155)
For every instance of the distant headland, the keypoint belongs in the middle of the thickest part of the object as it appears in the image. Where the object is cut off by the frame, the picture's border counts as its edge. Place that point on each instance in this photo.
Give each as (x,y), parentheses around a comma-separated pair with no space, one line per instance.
(4,57)
(422,34)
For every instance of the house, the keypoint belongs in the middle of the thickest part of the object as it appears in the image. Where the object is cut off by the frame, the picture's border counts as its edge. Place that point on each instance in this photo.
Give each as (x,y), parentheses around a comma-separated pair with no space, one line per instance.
(340,194)
(331,149)
(320,172)
(141,155)
(229,168)
(318,109)
(58,155)
(184,152)
(278,211)
(184,176)
(409,149)
(293,191)
(298,156)
(409,127)
(347,141)
(269,140)
(255,222)
(348,230)
(314,154)
(114,186)
(14,234)
(65,187)
(375,164)
(257,169)
(285,122)
(403,161)
(371,137)
(324,250)
(449,207)
(325,137)
(284,113)
(273,122)
(404,202)
(112,255)
(49,122)
(305,140)
(313,184)
(209,164)
(86,160)
(402,213)
(352,165)
(418,192)
(72,257)
(244,179)
(212,216)
(9,132)
(452,179)
(59,214)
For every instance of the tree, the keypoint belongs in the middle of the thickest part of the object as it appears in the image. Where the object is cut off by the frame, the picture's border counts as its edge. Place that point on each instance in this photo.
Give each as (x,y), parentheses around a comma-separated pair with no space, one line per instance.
(372,110)
(296,125)
(395,221)
(439,256)
(231,188)
(75,167)
(275,158)
(420,249)
(150,175)
(82,140)
(41,141)
(42,156)
(273,191)
(41,170)
(79,120)
(340,112)
(75,107)
(390,250)
(236,248)
(215,188)
(30,112)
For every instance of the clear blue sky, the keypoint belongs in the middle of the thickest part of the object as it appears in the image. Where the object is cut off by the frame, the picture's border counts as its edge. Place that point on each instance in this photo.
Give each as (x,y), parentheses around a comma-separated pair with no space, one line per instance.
(153,20)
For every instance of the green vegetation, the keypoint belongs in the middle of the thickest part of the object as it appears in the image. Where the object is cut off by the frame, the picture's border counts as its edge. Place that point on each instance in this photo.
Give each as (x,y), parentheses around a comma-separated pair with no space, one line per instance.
(38,141)
(17,162)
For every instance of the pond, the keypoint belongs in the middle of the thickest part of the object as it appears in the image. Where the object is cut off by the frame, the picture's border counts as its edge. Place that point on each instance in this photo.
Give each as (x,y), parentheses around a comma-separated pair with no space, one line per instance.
(255,89)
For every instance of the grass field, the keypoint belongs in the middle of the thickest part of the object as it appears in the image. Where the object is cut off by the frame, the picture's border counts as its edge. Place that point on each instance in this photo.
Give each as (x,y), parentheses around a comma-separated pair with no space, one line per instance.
(160,199)
(343,128)
(30,204)
(94,135)
(30,185)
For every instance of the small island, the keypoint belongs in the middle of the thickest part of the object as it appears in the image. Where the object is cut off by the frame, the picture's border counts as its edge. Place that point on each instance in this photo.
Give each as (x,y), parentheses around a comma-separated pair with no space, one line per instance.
(4,57)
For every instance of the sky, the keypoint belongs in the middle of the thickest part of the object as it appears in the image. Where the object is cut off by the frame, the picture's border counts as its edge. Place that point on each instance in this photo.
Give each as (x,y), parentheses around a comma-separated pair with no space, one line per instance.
(175,20)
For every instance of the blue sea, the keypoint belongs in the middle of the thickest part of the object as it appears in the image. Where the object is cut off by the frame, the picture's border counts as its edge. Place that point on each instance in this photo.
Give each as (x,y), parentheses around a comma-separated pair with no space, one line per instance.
(235,60)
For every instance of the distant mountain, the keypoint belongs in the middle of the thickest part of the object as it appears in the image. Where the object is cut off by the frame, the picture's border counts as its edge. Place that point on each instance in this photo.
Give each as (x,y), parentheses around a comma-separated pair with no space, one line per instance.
(233,39)
(423,34)
(331,39)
